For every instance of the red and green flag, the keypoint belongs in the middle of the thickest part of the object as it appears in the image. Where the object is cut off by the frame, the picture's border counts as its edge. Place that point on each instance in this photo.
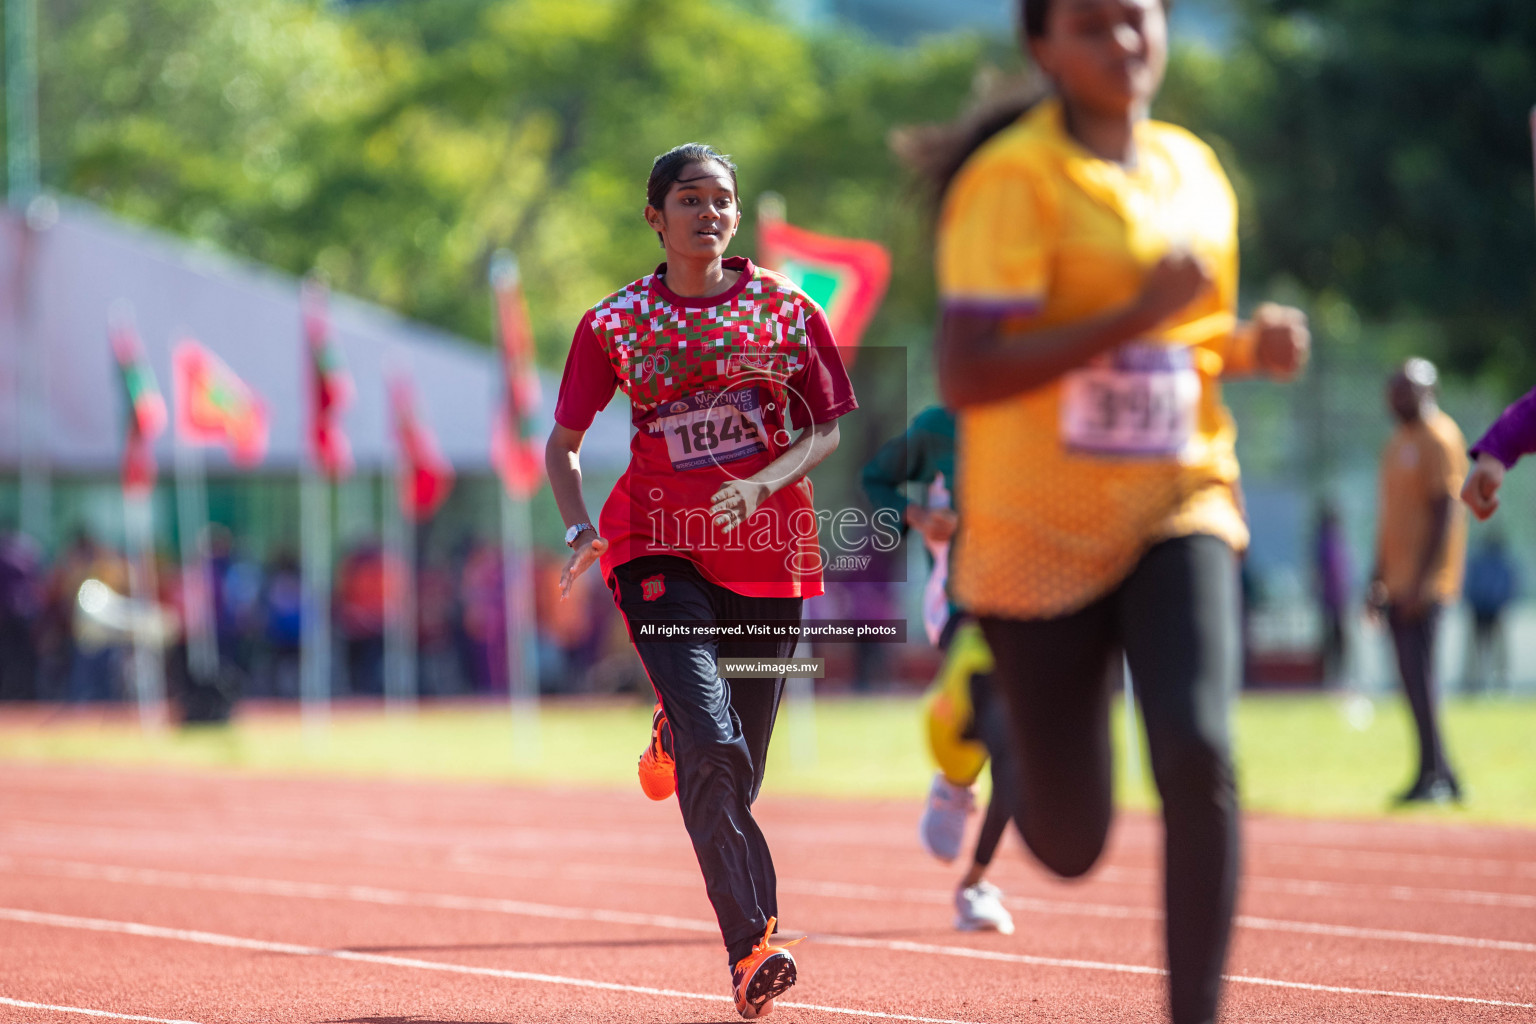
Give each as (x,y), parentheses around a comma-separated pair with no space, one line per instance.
(426,476)
(514,453)
(215,407)
(146,408)
(847,277)
(330,386)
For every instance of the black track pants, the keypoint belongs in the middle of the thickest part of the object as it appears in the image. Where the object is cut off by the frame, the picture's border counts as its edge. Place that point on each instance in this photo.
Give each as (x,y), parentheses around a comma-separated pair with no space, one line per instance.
(720,730)
(1414,641)
(1176,618)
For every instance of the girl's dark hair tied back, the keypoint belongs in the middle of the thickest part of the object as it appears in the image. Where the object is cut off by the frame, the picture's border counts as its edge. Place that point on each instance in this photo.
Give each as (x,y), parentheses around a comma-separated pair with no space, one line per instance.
(668,168)
(936,152)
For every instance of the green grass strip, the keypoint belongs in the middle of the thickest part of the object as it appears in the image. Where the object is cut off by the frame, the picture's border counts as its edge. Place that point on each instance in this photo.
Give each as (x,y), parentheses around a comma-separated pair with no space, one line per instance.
(1314,756)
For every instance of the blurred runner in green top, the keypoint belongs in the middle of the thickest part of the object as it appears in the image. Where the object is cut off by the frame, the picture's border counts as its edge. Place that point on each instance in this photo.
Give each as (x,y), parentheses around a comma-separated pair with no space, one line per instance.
(964,722)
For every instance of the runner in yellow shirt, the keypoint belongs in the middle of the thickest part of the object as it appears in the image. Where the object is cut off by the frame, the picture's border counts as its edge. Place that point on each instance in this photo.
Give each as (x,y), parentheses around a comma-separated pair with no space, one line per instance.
(1087,265)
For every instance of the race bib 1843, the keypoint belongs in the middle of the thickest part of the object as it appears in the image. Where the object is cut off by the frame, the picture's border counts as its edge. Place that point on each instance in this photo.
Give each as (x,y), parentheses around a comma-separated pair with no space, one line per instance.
(1141,401)
(713,428)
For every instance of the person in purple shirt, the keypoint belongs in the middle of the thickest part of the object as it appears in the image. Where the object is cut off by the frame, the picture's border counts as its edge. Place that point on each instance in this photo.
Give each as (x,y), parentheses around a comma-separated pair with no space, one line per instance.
(1513,435)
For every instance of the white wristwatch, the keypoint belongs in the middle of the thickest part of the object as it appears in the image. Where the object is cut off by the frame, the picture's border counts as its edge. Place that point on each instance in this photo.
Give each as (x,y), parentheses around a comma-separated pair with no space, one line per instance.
(573,532)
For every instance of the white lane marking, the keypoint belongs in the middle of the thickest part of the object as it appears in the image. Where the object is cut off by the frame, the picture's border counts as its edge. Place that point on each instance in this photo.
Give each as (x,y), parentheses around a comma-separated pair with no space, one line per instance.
(261,945)
(1350,890)
(971,953)
(23,1004)
(293,949)
(1346,931)
(1400,893)
(369,894)
(1424,863)
(1135,876)
(487,842)
(1097,965)
(1308,986)
(498,799)
(496,905)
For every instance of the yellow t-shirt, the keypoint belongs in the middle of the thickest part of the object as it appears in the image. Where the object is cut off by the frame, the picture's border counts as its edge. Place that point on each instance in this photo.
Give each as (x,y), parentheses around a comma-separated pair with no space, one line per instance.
(1424,463)
(1064,488)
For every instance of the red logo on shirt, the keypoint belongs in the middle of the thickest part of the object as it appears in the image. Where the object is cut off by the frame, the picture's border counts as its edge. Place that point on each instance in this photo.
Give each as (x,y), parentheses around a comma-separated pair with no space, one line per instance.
(652,587)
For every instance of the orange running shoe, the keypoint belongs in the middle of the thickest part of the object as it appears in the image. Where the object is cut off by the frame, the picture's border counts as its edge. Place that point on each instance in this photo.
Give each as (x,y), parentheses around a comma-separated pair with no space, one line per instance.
(658,772)
(763,975)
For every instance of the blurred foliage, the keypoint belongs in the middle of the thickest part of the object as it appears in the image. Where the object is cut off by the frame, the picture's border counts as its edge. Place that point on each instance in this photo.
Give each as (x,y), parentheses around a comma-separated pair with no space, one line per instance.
(396,146)
(1385,159)
(1379,148)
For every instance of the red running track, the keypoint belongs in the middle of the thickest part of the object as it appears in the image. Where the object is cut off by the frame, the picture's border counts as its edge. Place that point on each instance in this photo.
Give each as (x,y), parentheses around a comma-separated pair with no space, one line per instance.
(149,896)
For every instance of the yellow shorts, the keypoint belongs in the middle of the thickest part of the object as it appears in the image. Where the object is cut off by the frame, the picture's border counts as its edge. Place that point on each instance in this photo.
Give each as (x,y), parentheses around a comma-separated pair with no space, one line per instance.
(947,707)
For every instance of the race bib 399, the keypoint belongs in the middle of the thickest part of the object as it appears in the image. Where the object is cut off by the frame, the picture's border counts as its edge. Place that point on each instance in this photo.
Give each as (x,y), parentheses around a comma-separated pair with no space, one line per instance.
(1142,400)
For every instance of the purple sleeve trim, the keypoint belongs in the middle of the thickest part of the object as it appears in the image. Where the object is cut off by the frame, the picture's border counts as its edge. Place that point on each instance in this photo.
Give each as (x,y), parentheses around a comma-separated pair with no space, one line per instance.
(1513,434)
(993,307)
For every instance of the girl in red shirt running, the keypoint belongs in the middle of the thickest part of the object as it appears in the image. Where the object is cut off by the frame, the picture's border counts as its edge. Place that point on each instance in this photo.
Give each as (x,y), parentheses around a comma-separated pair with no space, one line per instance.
(711,528)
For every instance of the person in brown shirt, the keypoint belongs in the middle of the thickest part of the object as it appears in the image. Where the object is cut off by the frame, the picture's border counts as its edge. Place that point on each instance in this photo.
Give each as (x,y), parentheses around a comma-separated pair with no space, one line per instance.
(1420,551)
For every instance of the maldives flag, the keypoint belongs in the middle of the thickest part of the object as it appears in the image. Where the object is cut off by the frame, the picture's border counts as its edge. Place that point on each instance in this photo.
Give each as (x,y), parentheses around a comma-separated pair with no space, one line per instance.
(146,408)
(847,277)
(330,386)
(425,476)
(514,454)
(215,407)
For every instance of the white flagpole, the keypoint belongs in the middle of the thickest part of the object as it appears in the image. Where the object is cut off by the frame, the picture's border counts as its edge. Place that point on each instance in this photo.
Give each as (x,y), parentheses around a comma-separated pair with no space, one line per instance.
(518,613)
(400,610)
(517,600)
(800,694)
(148,666)
(197,592)
(315,649)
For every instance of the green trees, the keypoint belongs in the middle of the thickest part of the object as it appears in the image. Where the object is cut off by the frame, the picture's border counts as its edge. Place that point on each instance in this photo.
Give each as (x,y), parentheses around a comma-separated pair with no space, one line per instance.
(1387,159)
(1380,148)
(397,146)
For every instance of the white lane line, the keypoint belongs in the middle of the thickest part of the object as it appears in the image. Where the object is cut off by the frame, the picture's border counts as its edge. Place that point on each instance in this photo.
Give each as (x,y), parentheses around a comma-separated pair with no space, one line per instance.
(1098,965)
(494,801)
(971,953)
(1400,893)
(509,841)
(369,894)
(394,897)
(882,894)
(261,945)
(1330,890)
(23,1004)
(1307,986)
(293,949)
(1425,863)
(1345,931)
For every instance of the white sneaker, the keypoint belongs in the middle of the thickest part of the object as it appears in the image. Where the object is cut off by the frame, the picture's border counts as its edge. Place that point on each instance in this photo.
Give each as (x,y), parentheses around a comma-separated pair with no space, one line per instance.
(942,828)
(980,909)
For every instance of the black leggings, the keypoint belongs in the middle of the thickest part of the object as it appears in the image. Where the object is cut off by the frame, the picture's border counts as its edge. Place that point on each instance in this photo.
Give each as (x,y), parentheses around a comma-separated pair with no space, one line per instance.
(1176,619)
(990,726)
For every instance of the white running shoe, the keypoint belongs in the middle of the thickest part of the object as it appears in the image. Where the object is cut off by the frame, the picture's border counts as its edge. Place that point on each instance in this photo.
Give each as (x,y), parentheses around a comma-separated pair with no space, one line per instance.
(980,909)
(942,828)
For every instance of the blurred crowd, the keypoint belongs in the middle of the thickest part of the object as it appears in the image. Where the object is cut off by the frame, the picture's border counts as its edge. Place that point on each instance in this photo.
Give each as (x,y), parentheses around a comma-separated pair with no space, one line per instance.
(1491,587)
(53,648)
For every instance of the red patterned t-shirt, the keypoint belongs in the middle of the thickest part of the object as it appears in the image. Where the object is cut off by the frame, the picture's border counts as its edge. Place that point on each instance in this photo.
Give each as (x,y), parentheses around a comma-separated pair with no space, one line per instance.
(717,385)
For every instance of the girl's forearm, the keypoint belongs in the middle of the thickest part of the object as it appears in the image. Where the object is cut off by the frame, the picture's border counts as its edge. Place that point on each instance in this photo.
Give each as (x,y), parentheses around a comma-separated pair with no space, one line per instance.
(809,450)
(980,363)
(562,464)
